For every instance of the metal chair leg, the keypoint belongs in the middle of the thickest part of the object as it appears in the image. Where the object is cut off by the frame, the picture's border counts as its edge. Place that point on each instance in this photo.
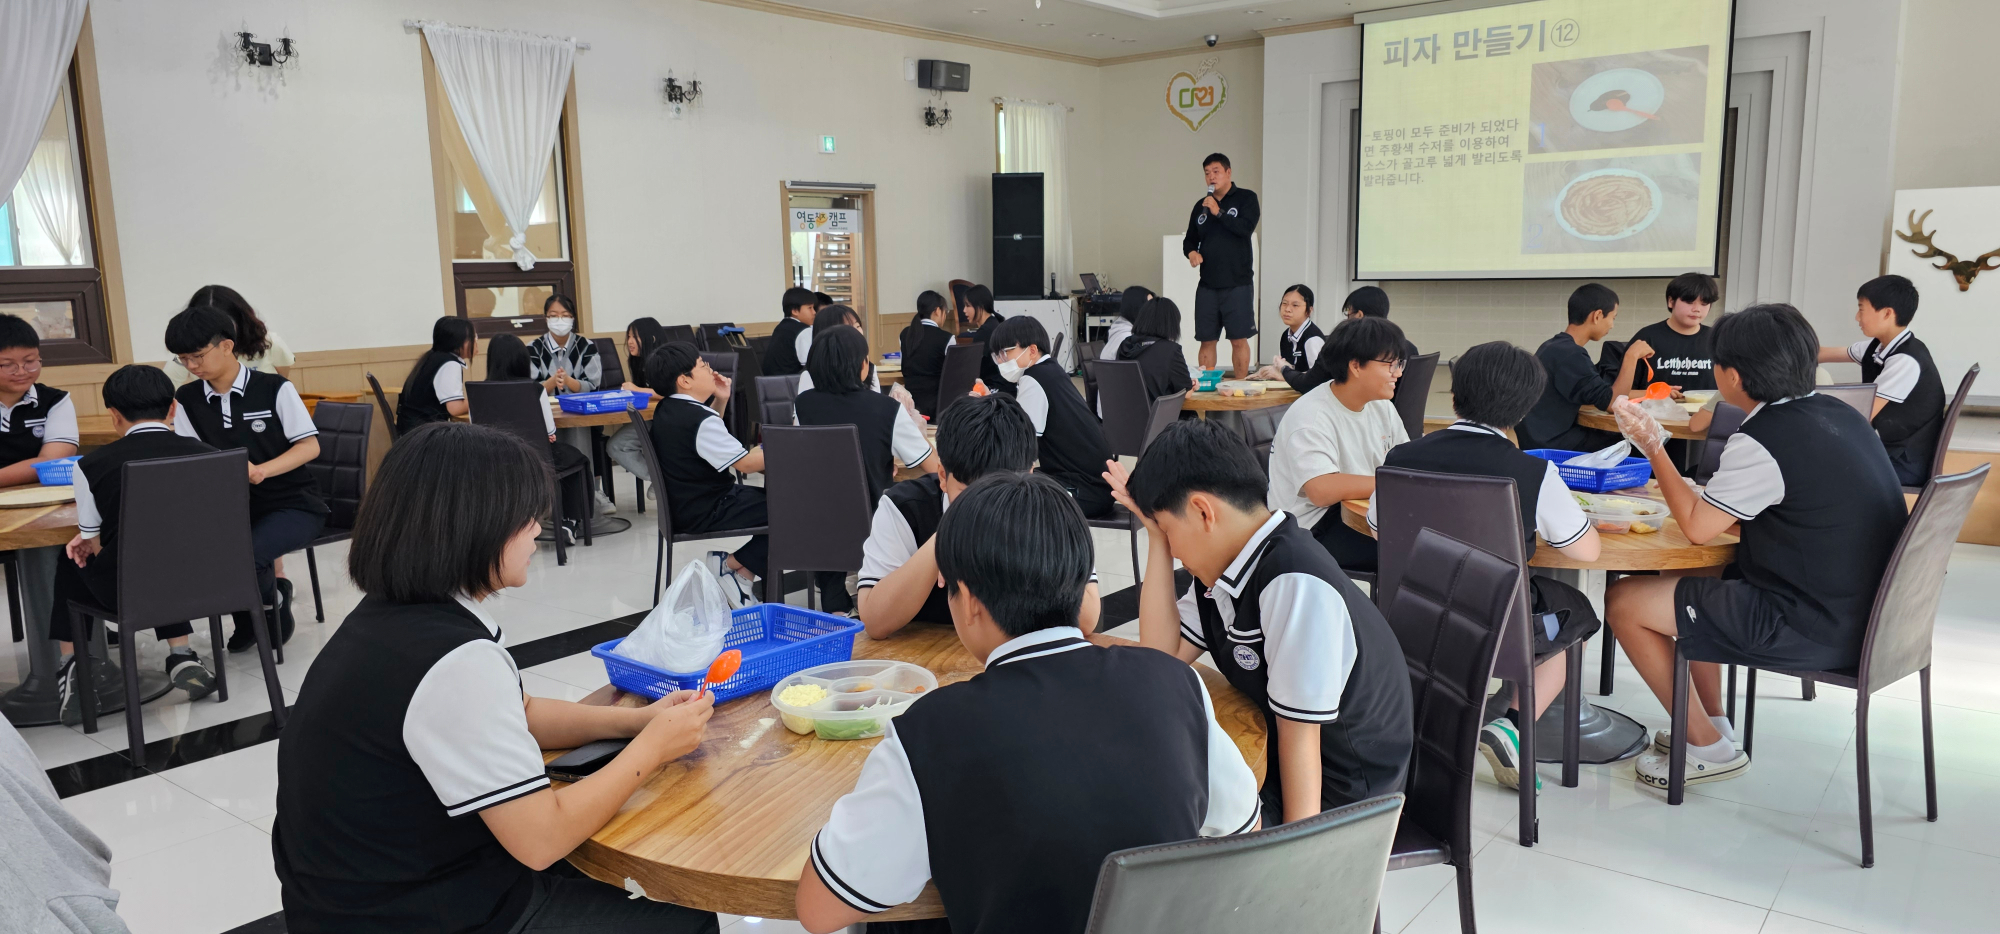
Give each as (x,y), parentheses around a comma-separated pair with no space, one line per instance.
(312,568)
(221,670)
(639,494)
(1677,744)
(556,510)
(1572,704)
(135,727)
(1729,699)
(663,556)
(1861,784)
(1607,664)
(85,667)
(1529,827)
(1930,754)
(589,518)
(13,599)
(1749,711)
(264,656)
(1808,688)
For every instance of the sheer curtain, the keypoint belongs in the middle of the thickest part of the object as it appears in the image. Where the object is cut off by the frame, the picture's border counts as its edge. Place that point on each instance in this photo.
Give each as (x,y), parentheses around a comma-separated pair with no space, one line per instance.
(1038,141)
(506,90)
(36,39)
(50,187)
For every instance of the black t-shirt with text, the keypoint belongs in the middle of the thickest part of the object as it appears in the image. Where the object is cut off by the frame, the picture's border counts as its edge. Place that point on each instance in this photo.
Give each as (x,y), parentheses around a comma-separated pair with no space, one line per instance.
(1684,360)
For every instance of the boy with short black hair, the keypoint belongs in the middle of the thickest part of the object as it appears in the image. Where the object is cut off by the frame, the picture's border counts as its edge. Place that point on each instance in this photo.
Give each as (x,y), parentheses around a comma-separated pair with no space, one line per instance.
(697,455)
(229,405)
(37,422)
(1275,615)
(1492,386)
(1573,381)
(1819,509)
(898,582)
(1909,392)
(1683,347)
(791,340)
(1071,443)
(141,402)
(1013,824)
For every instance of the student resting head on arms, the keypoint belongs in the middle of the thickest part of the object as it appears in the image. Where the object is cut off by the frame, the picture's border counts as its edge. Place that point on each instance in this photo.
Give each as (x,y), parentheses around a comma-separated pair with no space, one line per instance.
(1909,393)
(1573,381)
(1070,441)
(435,389)
(1331,440)
(999,788)
(1134,298)
(1274,615)
(1819,508)
(1492,386)
(976,436)
(1155,345)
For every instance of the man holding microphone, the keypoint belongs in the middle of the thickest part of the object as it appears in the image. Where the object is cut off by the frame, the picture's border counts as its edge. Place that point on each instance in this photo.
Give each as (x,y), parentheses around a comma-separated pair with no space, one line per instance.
(1218,243)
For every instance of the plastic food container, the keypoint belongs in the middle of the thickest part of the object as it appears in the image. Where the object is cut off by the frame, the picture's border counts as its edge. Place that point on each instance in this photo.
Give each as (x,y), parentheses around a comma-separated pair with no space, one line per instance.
(1240,387)
(610,400)
(776,640)
(1622,514)
(1699,396)
(1208,380)
(56,472)
(861,696)
(1635,471)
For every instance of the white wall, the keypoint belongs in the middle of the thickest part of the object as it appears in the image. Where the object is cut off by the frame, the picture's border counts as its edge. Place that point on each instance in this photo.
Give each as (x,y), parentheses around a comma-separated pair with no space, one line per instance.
(1944,139)
(313,194)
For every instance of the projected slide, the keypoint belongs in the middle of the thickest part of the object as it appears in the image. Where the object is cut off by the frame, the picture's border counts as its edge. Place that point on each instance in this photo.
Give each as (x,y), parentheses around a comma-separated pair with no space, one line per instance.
(1550,138)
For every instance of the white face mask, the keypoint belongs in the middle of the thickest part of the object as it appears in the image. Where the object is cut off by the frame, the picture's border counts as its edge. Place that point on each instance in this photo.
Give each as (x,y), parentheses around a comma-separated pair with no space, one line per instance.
(1010,371)
(560,327)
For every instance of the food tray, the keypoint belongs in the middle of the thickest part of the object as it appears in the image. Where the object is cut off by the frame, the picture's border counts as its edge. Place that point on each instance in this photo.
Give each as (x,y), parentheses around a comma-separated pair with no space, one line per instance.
(1635,471)
(56,472)
(1208,380)
(862,696)
(1241,387)
(775,639)
(597,403)
(1621,514)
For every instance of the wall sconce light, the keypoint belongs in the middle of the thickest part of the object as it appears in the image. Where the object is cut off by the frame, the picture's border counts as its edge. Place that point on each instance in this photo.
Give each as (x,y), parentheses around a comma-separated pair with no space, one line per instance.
(936,117)
(261,53)
(679,94)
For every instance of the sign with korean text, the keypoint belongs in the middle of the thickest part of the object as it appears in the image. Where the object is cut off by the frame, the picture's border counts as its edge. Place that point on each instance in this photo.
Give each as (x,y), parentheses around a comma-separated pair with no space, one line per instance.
(825,220)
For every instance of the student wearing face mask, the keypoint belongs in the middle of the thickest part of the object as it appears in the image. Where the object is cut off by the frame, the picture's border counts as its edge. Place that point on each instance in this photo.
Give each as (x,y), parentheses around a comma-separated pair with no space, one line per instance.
(562,360)
(1068,437)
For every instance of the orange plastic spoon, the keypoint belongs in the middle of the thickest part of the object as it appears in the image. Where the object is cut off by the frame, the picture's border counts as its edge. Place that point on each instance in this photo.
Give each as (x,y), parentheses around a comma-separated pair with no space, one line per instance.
(722,669)
(1654,391)
(1616,104)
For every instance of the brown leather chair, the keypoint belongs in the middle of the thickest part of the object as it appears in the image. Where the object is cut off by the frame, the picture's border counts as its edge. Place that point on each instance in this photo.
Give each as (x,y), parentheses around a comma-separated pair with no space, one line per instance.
(1121,393)
(515,407)
(1897,643)
(1413,390)
(382,401)
(1951,413)
(818,499)
(664,554)
(341,473)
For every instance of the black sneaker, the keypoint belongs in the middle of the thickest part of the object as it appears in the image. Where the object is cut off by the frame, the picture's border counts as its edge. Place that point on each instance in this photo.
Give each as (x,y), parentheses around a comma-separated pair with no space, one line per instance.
(69,698)
(243,639)
(187,672)
(286,624)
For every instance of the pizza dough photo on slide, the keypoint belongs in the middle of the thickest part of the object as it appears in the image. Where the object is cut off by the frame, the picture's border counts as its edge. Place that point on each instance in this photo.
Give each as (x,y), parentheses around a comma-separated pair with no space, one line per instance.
(1630,204)
(1655,98)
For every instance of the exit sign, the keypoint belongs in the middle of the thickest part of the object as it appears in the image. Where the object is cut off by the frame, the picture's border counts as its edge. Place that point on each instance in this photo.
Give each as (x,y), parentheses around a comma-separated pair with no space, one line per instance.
(826,145)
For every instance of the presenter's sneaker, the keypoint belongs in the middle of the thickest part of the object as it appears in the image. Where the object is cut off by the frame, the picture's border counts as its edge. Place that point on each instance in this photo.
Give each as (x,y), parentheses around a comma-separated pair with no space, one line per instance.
(188,673)
(1500,743)
(1663,742)
(1651,769)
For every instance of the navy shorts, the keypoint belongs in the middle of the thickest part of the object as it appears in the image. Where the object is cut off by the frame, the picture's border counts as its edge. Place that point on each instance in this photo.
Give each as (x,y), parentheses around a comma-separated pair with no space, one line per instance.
(1732,622)
(1219,309)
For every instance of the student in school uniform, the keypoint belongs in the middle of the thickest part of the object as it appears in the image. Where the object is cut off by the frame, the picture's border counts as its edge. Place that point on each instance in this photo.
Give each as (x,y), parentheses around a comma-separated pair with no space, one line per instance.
(1909,392)
(411,789)
(923,345)
(1299,345)
(37,422)
(1155,345)
(1331,440)
(1573,381)
(1134,298)
(791,340)
(1819,511)
(1013,824)
(257,345)
(435,389)
(698,457)
(626,445)
(1683,347)
(1493,385)
(562,360)
(141,402)
(824,320)
(1365,302)
(984,321)
(898,584)
(1070,442)
(1276,617)
(229,406)
(507,360)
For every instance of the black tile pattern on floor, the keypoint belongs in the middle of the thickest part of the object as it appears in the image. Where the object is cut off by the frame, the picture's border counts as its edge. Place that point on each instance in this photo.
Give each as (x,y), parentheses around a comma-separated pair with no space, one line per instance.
(273,923)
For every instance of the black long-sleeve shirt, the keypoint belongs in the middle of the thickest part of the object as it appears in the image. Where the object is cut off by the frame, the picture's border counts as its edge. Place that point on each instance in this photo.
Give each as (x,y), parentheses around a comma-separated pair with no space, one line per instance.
(1573,382)
(923,344)
(1223,239)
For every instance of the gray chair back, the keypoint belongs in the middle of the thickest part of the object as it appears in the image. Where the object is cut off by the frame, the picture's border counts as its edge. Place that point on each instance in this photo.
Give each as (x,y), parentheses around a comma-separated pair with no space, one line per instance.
(961,370)
(645,430)
(678,332)
(744,413)
(1951,413)
(1121,393)
(1899,628)
(1483,512)
(1260,430)
(714,341)
(1413,391)
(382,399)
(513,406)
(611,357)
(341,469)
(1859,395)
(1449,614)
(1321,874)
(775,398)
(1166,411)
(816,494)
(1723,422)
(160,579)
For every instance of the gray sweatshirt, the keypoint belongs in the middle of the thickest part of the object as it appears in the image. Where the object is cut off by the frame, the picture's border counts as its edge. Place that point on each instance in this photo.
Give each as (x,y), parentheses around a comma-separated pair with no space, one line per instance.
(54,873)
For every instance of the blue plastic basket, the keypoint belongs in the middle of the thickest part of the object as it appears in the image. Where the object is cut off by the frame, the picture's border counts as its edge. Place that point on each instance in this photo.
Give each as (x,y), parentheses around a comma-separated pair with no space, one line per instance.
(1209,379)
(56,472)
(597,403)
(1635,471)
(776,640)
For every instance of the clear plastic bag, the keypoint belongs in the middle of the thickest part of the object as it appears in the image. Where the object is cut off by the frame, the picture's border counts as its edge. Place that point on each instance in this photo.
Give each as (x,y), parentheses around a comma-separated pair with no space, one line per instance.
(685,632)
(1608,457)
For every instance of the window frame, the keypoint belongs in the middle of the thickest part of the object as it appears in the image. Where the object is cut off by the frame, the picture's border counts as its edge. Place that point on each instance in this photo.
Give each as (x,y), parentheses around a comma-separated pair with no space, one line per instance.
(86,288)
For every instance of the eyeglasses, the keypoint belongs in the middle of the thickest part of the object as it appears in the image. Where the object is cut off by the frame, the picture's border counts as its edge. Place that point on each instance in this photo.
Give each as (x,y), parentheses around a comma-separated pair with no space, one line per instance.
(188,360)
(1395,366)
(17,367)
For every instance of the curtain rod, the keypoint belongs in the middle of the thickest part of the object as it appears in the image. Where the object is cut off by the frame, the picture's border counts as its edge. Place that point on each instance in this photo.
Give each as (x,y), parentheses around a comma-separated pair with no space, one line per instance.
(419,24)
(1003,101)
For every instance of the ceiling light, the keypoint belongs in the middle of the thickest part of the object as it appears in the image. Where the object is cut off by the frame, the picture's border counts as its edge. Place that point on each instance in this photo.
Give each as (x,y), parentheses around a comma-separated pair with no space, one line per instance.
(1045,24)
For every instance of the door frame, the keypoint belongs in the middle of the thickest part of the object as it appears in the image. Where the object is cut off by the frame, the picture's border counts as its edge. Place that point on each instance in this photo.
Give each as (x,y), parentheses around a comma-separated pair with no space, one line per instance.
(864,193)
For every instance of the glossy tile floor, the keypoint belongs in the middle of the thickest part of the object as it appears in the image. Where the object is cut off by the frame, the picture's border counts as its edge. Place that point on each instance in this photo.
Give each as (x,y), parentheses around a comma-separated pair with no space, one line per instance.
(1774,851)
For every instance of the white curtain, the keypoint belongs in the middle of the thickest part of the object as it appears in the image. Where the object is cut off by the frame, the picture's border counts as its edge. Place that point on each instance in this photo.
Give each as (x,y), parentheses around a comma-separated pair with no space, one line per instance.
(36,39)
(1038,141)
(50,187)
(506,89)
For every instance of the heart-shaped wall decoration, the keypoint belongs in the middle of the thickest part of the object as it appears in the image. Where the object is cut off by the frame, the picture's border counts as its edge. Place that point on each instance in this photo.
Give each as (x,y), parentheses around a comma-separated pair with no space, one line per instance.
(1195,99)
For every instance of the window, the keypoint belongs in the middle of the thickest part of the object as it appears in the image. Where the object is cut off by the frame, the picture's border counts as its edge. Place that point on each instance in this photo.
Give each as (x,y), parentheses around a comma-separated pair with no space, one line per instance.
(485,284)
(49,271)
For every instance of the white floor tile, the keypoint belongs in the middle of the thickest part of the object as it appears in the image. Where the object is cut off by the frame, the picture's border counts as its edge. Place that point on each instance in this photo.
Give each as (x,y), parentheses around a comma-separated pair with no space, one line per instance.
(207,884)
(1912,887)
(244,782)
(581,670)
(538,685)
(174,714)
(1779,923)
(1525,890)
(146,814)
(1964,739)
(1967,819)
(61,745)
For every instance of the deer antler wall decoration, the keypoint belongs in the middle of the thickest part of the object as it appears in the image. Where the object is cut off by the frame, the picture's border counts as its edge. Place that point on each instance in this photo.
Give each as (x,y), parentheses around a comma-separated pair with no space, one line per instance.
(1964,270)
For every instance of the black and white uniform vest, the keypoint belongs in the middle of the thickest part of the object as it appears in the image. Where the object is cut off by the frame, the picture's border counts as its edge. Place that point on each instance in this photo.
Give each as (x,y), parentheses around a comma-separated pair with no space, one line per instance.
(1482,452)
(921,503)
(873,416)
(253,425)
(781,355)
(1072,445)
(418,403)
(1294,349)
(1909,429)
(22,436)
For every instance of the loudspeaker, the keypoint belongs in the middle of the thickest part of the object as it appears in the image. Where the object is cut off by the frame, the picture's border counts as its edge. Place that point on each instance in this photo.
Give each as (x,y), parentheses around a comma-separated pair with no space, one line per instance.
(936,75)
(1017,235)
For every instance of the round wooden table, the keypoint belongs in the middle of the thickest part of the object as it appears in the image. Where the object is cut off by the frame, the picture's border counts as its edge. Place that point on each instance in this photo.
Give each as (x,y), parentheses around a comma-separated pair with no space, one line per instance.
(727,827)
(1665,550)
(1695,428)
(1206,402)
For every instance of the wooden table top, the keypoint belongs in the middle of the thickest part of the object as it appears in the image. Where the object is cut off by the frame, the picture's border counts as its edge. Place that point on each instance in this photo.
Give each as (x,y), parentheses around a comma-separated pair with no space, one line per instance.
(727,827)
(1217,402)
(574,420)
(36,526)
(1665,550)
(1694,429)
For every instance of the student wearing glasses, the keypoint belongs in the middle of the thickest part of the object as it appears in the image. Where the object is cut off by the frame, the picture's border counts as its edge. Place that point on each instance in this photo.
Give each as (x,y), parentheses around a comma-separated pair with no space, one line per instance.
(37,422)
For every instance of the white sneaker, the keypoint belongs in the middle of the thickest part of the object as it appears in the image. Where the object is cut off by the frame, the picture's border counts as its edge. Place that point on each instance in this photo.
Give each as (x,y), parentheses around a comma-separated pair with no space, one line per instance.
(1651,769)
(1663,742)
(734,586)
(604,504)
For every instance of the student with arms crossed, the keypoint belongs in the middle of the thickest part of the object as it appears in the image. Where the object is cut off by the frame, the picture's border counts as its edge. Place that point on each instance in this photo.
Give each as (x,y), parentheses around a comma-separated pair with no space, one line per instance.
(1573,381)
(1011,823)
(1819,510)
(976,436)
(229,406)
(1909,394)
(412,721)
(1070,441)
(923,344)
(697,455)
(1493,385)
(785,355)
(1331,440)
(1274,615)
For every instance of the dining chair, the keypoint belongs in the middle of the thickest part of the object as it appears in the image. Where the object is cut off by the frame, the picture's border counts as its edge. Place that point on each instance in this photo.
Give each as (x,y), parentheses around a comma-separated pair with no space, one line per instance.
(1859,395)
(1321,874)
(1055,350)
(1413,392)
(817,497)
(742,413)
(382,401)
(611,357)
(664,553)
(1121,393)
(1951,413)
(1896,644)
(960,372)
(720,336)
(515,407)
(161,581)
(776,396)
(678,332)
(1166,411)
(1260,431)
(1449,613)
(341,473)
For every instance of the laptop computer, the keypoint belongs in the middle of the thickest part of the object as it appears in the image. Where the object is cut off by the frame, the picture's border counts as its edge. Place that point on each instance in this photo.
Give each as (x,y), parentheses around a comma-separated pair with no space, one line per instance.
(1090,286)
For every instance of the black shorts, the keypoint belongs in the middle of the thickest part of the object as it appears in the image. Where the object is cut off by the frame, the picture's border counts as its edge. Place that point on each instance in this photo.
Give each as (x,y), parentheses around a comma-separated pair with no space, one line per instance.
(1732,622)
(1217,309)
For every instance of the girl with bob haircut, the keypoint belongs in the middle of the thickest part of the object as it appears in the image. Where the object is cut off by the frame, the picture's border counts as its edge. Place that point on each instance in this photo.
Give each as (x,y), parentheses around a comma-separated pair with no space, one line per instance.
(413,718)
(435,389)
